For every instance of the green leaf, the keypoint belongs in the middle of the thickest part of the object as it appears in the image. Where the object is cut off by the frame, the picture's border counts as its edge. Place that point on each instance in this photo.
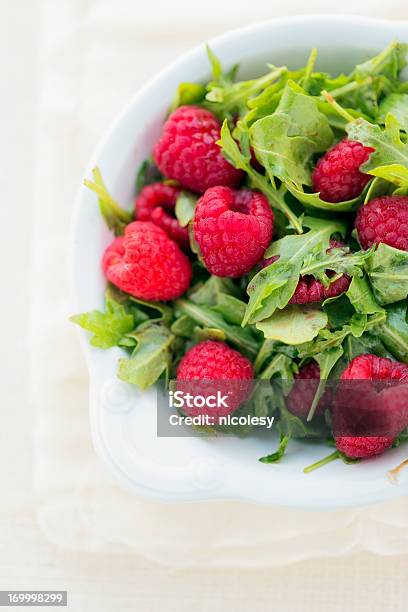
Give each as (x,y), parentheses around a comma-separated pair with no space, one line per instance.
(280,366)
(209,333)
(207,293)
(361,296)
(285,141)
(185,207)
(107,328)
(116,218)
(183,326)
(230,308)
(206,317)
(390,158)
(326,360)
(389,62)
(188,93)
(227,97)
(277,455)
(240,158)
(395,104)
(327,338)
(394,332)
(388,272)
(294,324)
(313,200)
(339,310)
(273,286)
(156,312)
(150,359)
(336,259)
(215,65)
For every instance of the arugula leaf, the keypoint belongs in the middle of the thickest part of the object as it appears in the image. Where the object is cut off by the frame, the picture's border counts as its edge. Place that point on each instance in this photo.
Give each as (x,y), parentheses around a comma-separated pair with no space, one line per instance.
(277,455)
(394,331)
(360,295)
(230,308)
(206,317)
(390,158)
(294,324)
(327,339)
(116,218)
(183,326)
(150,359)
(240,158)
(273,286)
(185,207)
(156,312)
(108,327)
(313,200)
(338,259)
(388,273)
(285,141)
(326,360)
(207,294)
(229,97)
(389,62)
(395,104)
(188,93)
(280,366)
(339,310)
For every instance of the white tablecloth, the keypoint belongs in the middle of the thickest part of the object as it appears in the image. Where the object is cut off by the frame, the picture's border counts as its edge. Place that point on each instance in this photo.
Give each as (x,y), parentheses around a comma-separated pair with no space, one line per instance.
(94,56)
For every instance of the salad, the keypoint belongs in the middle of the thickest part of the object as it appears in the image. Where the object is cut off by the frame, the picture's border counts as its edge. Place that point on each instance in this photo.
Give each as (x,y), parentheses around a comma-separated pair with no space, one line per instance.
(267,248)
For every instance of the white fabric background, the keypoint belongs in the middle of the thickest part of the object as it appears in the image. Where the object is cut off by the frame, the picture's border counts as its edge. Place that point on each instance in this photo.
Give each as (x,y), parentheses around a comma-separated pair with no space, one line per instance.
(93,56)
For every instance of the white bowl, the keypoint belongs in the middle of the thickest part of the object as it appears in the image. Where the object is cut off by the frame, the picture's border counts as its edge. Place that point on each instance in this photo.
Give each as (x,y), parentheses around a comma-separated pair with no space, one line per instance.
(123,420)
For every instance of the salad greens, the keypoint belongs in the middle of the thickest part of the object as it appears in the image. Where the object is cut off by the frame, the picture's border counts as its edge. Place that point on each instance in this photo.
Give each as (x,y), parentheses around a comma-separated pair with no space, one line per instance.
(274,128)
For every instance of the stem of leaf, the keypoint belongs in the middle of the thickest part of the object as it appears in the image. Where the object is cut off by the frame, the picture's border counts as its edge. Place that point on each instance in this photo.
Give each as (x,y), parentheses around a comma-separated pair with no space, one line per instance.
(349,87)
(319,392)
(339,109)
(322,462)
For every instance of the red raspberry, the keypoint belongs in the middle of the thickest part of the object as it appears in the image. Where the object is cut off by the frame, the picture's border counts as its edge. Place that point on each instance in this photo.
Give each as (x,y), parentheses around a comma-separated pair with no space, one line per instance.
(216,366)
(337,176)
(361,447)
(156,203)
(371,367)
(384,219)
(371,405)
(233,229)
(187,151)
(146,264)
(309,289)
(302,393)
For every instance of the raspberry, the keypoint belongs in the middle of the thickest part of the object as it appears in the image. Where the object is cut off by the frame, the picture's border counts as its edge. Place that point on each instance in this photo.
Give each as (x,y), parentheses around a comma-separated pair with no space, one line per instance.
(384,219)
(156,203)
(187,151)
(309,289)
(361,447)
(371,367)
(337,176)
(379,405)
(302,393)
(146,264)
(211,362)
(233,229)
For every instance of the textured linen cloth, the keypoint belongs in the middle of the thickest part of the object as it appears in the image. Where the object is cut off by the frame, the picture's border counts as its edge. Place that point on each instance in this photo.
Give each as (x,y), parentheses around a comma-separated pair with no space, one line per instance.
(95,56)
